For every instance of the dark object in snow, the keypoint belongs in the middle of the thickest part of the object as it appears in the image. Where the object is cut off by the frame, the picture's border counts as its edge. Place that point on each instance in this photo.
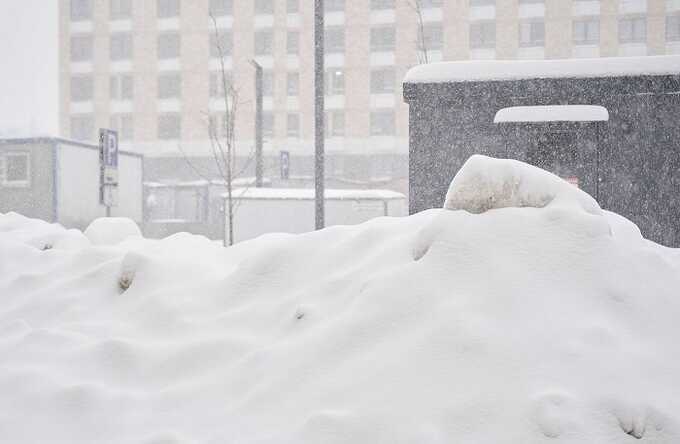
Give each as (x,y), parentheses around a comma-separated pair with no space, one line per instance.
(630,163)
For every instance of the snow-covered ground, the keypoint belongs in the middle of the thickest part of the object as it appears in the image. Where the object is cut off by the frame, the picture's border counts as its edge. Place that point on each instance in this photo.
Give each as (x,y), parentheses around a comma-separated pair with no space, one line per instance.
(521,313)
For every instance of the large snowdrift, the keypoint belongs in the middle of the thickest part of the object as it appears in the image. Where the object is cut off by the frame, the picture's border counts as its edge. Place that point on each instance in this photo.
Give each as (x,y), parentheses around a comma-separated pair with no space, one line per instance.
(539,319)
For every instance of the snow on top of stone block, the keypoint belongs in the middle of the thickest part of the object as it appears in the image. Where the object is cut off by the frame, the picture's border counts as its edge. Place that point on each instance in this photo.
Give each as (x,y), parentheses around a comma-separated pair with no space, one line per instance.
(485,183)
(484,70)
(552,113)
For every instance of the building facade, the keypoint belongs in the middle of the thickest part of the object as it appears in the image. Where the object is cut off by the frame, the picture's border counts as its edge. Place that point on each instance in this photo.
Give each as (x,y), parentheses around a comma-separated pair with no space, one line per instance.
(58,180)
(150,68)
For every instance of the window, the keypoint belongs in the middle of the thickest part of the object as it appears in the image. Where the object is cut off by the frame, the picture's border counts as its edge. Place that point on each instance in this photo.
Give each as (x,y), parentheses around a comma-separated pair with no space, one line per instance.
(293,83)
(264,42)
(82,126)
(382,123)
(586,32)
(168,46)
(633,5)
(334,39)
(264,7)
(334,5)
(335,123)
(17,169)
(293,125)
(633,30)
(673,28)
(434,36)
(168,8)
(220,8)
(482,35)
(169,126)
(474,3)
(267,124)
(183,203)
(81,48)
(82,88)
(383,39)
(383,81)
(216,83)
(169,86)
(335,82)
(217,124)
(382,4)
(293,6)
(293,42)
(120,46)
(81,10)
(121,87)
(267,83)
(120,9)
(221,44)
(124,125)
(531,34)
(425,4)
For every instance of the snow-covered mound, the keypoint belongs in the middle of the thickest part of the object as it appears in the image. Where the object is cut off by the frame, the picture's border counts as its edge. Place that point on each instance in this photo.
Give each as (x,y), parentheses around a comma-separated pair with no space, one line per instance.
(484,183)
(528,323)
(111,230)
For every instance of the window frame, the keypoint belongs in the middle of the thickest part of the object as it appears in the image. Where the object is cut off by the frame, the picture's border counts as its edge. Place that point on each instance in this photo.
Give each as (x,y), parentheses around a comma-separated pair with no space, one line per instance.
(120,12)
(81,16)
(161,13)
(176,135)
(24,183)
(374,121)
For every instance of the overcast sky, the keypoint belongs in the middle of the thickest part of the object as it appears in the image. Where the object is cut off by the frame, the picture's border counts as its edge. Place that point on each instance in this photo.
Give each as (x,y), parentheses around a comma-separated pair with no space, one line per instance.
(29,69)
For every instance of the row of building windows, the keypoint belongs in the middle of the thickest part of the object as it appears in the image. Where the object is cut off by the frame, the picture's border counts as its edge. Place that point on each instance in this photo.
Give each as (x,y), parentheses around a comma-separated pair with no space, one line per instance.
(122,9)
(383,80)
(382,39)
(382,123)
(221,44)
(584,32)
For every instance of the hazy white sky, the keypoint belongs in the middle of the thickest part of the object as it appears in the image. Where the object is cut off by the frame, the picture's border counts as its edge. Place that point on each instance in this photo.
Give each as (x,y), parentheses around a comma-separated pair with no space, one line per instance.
(29,67)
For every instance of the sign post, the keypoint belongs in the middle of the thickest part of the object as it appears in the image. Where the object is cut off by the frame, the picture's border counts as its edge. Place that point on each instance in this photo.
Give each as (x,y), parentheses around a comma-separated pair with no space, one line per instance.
(285,165)
(108,169)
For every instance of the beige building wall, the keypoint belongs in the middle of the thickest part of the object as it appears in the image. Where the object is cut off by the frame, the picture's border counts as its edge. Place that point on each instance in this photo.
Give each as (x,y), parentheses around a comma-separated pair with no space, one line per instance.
(457,19)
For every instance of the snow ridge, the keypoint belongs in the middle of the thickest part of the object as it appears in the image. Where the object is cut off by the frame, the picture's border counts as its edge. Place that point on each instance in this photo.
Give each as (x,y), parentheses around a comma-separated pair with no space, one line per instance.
(535,317)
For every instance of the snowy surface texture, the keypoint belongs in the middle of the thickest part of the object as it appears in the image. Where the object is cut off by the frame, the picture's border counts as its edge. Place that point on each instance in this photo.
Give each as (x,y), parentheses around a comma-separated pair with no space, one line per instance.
(482,70)
(552,113)
(548,321)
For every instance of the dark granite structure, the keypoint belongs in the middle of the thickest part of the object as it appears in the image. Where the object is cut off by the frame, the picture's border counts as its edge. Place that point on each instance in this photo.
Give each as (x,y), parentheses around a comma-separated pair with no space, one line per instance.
(630,163)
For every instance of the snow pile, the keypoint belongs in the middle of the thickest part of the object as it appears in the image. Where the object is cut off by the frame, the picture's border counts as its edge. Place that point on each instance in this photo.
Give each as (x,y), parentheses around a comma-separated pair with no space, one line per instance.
(111,230)
(542,319)
(484,183)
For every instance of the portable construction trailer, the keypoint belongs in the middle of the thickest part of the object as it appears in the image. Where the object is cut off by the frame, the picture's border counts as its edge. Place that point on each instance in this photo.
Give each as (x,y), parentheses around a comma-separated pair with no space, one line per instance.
(194,206)
(609,125)
(289,210)
(57,180)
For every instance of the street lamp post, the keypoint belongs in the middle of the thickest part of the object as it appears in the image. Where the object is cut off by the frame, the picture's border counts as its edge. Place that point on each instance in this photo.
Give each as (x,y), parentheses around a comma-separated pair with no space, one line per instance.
(319,113)
(258,124)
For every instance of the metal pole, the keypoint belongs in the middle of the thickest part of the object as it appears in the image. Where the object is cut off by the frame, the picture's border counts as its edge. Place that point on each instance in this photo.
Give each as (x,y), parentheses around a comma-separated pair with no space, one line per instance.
(258,124)
(319,113)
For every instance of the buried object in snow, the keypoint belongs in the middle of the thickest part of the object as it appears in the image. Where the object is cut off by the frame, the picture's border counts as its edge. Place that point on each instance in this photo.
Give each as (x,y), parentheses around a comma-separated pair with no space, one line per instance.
(485,183)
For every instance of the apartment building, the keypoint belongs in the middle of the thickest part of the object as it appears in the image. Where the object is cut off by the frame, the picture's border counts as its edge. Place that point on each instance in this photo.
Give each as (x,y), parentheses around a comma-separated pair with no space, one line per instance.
(150,68)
